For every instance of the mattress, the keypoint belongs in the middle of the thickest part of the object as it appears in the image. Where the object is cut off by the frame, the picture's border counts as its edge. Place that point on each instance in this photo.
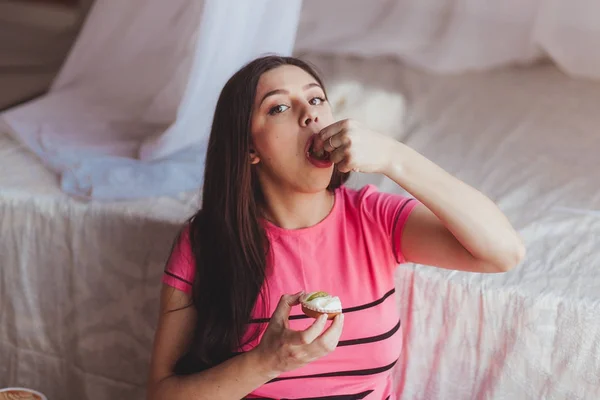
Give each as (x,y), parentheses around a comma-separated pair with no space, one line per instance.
(79,281)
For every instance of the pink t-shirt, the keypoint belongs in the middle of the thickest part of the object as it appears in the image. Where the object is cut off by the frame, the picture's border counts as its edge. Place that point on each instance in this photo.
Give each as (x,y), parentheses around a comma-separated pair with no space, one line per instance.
(351,254)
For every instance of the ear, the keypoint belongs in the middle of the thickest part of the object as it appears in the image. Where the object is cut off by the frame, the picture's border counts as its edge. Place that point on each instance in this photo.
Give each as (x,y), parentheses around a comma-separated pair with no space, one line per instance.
(254,158)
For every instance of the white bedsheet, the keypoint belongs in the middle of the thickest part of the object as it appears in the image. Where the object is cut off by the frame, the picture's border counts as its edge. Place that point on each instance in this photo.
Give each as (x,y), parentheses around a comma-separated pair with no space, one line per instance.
(79,283)
(78,287)
(528,139)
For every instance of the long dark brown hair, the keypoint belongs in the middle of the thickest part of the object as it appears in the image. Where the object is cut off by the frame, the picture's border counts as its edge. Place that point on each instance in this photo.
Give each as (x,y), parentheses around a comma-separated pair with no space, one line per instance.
(228,241)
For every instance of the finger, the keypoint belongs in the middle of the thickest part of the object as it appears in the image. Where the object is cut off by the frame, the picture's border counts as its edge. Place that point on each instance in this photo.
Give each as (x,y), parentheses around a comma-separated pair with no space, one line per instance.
(343,159)
(331,337)
(308,335)
(345,166)
(340,154)
(332,143)
(332,130)
(325,138)
(286,302)
(328,145)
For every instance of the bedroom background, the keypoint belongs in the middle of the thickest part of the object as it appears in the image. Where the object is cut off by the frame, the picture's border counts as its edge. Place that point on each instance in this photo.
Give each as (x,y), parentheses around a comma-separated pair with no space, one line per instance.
(104,113)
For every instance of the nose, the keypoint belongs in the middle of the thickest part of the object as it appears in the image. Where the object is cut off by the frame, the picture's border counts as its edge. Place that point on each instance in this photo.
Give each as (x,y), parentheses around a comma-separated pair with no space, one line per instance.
(310,116)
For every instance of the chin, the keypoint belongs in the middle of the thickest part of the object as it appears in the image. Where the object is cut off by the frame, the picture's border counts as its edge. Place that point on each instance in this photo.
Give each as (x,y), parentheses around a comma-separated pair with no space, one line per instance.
(318,181)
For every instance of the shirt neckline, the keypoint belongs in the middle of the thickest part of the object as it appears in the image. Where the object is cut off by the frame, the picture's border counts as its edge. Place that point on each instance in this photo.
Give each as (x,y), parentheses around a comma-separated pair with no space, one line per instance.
(273,229)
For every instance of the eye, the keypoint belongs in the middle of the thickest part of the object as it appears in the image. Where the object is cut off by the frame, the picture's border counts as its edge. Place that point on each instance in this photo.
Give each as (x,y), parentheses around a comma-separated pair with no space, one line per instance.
(315,101)
(278,109)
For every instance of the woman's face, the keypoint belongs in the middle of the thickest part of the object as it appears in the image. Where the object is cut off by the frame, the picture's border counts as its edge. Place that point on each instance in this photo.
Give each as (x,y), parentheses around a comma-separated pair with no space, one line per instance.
(290,108)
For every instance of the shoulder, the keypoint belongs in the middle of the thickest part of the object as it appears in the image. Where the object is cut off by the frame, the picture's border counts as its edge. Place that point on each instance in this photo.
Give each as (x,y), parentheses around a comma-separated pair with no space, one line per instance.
(182,243)
(357,197)
(388,211)
(369,199)
(180,268)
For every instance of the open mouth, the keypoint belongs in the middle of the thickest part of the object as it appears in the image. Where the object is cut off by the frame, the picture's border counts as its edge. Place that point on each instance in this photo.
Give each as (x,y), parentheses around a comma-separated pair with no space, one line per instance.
(313,153)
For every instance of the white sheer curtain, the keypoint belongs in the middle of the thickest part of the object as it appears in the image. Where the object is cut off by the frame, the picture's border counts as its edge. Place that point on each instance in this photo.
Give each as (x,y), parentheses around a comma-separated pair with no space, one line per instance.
(224,43)
(453,36)
(129,114)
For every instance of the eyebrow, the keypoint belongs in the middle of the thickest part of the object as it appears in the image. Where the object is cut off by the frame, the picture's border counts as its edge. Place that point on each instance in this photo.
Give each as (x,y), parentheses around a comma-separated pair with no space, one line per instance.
(283,91)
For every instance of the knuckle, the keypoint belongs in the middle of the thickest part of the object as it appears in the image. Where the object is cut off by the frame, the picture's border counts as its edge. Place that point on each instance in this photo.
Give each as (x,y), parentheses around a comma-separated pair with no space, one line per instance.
(329,346)
(304,339)
(286,298)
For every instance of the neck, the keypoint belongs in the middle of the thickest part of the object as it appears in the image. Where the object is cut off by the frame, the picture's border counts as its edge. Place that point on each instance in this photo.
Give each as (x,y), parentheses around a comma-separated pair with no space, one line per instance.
(297,210)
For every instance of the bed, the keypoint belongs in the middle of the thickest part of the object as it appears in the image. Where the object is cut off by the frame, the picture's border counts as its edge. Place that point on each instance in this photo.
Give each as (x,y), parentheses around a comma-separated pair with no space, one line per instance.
(79,281)
(529,139)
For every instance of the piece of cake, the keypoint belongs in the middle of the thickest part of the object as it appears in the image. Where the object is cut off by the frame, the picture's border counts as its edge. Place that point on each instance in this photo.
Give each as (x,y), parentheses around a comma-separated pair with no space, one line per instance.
(317,303)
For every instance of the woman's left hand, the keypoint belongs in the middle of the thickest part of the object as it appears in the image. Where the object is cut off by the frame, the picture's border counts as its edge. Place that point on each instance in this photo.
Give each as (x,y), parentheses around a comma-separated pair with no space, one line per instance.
(355,148)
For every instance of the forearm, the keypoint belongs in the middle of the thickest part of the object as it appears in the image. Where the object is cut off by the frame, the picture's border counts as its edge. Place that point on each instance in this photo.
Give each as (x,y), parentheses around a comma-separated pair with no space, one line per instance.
(232,379)
(473,219)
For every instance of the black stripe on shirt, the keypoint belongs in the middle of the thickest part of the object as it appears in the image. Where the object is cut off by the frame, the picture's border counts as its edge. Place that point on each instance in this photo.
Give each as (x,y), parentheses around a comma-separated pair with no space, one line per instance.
(178,277)
(357,396)
(345,310)
(372,339)
(354,342)
(394,249)
(356,372)
(371,304)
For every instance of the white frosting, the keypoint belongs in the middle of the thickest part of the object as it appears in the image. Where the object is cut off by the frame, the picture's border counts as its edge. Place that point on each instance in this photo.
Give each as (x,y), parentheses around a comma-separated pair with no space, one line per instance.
(326,304)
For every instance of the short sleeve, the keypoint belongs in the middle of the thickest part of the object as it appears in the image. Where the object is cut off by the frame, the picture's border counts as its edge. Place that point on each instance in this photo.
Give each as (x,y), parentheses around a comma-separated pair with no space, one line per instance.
(180,269)
(390,211)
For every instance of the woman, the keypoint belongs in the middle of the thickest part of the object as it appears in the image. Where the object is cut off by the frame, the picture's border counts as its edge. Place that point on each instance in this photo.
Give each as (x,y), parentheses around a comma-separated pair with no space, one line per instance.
(276,219)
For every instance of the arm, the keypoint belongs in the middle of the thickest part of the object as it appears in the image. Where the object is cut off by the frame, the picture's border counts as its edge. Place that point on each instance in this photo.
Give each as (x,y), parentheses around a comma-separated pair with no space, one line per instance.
(459,228)
(280,350)
(456,227)
(234,378)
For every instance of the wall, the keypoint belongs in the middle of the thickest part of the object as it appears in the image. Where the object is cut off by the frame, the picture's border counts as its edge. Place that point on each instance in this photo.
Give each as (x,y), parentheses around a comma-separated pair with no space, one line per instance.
(35,38)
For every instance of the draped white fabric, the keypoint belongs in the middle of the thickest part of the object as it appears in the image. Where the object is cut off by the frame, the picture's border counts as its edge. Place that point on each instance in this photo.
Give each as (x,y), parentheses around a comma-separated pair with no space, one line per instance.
(142,80)
(130,112)
(454,36)
(223,45)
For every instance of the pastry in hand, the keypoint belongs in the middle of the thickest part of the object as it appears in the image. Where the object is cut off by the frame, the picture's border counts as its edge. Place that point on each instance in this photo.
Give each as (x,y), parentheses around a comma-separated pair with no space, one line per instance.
(317,303)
